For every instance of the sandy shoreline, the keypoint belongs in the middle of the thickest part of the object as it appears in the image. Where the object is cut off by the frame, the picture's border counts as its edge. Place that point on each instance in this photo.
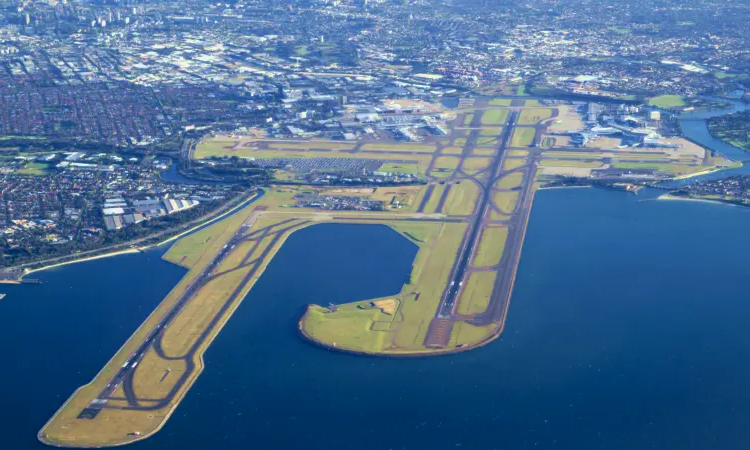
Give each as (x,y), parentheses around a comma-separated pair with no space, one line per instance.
(88,258)
(137,249)
(698,200)
(564,187)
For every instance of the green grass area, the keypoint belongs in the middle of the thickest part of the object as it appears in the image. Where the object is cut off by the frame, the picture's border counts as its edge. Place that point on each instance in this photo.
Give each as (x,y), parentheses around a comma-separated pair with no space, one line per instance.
(494,117)
(532,116)
(473,164)
(491,247)
(522,137)
(733,129)
(465,334)
(487,140)
(620,30)
(510,181)
(500,102)
(574,155)
(491,131)
(301,50)
(33,168)
(510,164)
(370,330)
(667,101)
(399,168)
(467,119)
(569,163)
(475,296)
(114,427)
(462,199)
(518,153)
(459,142)
(443,163)
(403,147)
(505,201)
(452,150)
(351,324)
(484,151)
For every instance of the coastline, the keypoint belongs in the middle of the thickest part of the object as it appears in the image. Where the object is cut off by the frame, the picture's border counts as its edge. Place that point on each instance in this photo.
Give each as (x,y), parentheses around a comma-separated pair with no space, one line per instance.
(84,259)
(698,200)
(135,248)
(564,187)
(697,174)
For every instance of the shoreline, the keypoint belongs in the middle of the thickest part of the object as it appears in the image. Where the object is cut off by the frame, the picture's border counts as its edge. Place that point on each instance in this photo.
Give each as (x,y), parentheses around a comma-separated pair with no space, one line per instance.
(84,259)
(697,200)
(564,187)
(697,174)
(136,248)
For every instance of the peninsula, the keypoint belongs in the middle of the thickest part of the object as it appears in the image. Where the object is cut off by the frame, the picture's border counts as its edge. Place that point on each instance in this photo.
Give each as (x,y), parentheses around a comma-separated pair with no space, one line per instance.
(463,196)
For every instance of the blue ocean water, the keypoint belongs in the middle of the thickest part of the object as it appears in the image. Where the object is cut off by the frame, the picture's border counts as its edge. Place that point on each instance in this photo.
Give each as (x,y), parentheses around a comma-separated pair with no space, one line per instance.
(627,329)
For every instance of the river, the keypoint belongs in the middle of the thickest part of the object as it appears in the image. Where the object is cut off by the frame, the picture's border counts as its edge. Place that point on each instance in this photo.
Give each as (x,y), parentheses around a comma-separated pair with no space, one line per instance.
(626,330)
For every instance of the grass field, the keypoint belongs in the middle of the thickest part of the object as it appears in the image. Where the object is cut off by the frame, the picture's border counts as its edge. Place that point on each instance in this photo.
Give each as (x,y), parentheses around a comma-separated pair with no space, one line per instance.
(467,119)
(465,333)
(494,117)
(443,163)
(510,181)
(476,294)
(452,150)
(532,116)
(462,199)
(513,163)
(500,102)
(33,168)
(522,137)
(111,427)
(491,131)
(569,163)
(403,147)
(473,165)
(518,153)
(400,168)
(491,247)
(667,101)
(406,332)
(505,201)
(484,151)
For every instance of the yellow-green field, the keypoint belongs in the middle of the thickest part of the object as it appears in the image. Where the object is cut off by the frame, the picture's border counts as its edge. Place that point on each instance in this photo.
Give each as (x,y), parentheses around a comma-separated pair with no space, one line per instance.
(510,181)
(532,116)
(506,201)
(477,292)
(500,102)
(462,198)
(494,117)
(353,330)
(522,137)
(491,247)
